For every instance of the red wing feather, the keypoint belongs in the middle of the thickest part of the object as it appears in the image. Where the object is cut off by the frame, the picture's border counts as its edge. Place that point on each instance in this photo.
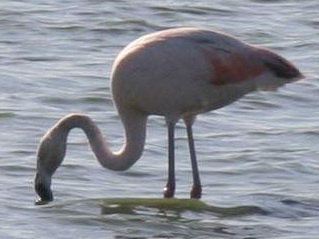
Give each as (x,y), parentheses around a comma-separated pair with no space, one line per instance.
(232,68)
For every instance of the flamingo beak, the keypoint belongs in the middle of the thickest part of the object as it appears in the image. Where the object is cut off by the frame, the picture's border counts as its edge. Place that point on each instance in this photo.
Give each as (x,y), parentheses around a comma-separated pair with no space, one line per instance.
(43,191)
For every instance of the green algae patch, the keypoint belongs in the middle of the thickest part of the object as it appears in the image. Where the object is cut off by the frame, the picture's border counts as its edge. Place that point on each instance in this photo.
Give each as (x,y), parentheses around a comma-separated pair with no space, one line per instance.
(128,205)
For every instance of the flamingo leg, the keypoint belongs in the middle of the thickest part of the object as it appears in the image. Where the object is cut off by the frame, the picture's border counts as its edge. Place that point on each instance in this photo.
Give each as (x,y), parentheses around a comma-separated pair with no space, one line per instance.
(196,191)
(169,190)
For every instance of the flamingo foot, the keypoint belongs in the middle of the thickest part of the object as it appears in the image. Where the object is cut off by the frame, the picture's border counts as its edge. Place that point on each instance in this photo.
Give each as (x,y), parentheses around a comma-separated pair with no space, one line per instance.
(196,192)
(169,190)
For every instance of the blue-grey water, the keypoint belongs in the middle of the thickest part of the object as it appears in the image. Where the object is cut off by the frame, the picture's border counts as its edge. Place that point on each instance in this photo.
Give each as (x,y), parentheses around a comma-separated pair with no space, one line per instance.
(261,152)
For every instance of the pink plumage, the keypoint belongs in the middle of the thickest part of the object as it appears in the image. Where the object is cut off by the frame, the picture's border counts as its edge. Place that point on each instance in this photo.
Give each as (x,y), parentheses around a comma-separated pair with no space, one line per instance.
(185,71)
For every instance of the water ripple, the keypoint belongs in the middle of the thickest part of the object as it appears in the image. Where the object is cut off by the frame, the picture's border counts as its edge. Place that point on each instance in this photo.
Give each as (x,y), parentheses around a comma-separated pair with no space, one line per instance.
(55,58)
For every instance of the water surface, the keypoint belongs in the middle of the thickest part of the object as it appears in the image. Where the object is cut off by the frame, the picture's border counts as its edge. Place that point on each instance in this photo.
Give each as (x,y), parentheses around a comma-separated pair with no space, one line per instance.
(260,152)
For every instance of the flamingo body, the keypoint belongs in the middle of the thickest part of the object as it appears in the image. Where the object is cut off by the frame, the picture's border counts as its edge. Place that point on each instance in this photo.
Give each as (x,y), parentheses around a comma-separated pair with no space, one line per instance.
(175,73)
(187,71)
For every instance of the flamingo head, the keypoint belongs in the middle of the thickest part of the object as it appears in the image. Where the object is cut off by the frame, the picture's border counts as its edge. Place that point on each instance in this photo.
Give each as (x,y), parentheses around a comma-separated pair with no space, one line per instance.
(50,155)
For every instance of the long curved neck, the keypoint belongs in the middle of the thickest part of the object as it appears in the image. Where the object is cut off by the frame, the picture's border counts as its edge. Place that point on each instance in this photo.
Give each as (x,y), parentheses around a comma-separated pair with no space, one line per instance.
(131,151)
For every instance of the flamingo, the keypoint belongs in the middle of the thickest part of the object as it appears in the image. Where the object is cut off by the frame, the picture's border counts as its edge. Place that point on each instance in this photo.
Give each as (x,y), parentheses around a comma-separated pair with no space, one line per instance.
(176,73)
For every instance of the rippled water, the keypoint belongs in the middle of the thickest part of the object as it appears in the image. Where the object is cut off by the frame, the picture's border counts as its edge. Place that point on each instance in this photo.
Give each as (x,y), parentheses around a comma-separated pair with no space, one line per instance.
(261,153)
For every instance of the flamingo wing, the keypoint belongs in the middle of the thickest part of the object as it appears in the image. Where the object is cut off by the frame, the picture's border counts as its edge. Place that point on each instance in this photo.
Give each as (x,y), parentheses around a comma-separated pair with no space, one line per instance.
(232,61)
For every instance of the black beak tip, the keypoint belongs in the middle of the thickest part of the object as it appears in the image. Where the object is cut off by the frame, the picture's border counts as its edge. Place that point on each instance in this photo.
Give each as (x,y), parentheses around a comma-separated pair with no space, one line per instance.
(41,201)
(45,194)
